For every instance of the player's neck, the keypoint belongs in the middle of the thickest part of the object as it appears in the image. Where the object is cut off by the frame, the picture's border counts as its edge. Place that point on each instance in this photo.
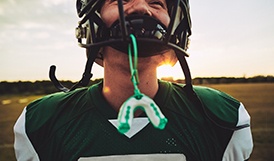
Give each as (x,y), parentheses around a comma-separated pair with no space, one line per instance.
(118,87)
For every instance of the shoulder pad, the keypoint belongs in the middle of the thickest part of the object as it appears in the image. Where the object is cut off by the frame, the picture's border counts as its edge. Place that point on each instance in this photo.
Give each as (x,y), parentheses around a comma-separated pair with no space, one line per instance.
(40,111)
(221,108)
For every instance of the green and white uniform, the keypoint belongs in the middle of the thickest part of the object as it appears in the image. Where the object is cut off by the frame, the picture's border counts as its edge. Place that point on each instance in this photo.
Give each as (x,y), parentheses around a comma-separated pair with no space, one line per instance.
(80,125)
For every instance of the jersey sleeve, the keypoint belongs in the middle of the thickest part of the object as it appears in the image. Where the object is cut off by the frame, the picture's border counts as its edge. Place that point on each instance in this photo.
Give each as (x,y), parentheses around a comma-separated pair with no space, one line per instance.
(240,145)
(38,121)
(22,145)
(32,118)
(229,113)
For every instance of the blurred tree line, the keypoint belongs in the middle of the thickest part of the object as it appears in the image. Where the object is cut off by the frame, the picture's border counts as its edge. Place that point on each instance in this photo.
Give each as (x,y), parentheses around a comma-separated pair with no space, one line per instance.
(46,87)
(34,88)
(225,80)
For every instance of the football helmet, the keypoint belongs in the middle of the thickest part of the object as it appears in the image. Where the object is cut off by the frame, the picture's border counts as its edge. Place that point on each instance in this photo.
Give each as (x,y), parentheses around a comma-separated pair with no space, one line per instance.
(152,36)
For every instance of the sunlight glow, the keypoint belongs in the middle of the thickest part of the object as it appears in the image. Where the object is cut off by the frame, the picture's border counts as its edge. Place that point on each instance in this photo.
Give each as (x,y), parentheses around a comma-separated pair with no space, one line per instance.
(166,71)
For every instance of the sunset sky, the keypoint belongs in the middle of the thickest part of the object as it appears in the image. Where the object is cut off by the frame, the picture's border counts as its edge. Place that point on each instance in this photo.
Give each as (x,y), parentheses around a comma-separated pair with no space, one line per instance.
(230,38)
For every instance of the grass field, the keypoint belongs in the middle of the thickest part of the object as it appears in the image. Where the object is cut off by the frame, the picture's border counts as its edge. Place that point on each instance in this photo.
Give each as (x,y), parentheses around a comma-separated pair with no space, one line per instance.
(257,98)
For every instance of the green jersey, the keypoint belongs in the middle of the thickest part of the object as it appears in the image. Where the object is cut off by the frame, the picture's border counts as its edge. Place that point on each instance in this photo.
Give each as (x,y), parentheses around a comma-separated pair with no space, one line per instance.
(80,125)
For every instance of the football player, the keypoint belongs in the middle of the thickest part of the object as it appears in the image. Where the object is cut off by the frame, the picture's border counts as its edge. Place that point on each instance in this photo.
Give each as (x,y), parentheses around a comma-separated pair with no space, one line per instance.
(199,123)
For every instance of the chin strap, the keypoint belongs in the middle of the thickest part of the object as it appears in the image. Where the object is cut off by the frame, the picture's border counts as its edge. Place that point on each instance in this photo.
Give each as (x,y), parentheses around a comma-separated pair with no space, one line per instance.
(187,74)
(138,100)
(85,78)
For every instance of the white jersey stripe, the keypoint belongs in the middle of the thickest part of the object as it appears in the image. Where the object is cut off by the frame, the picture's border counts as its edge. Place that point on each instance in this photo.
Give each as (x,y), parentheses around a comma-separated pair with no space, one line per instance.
(244,117)
(138,157)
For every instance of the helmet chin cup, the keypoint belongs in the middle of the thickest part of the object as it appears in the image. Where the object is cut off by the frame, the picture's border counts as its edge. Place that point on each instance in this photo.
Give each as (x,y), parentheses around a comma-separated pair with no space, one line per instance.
(149,32)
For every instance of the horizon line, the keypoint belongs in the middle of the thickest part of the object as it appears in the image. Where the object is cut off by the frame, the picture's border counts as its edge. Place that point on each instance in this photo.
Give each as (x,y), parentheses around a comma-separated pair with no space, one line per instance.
(167,77)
